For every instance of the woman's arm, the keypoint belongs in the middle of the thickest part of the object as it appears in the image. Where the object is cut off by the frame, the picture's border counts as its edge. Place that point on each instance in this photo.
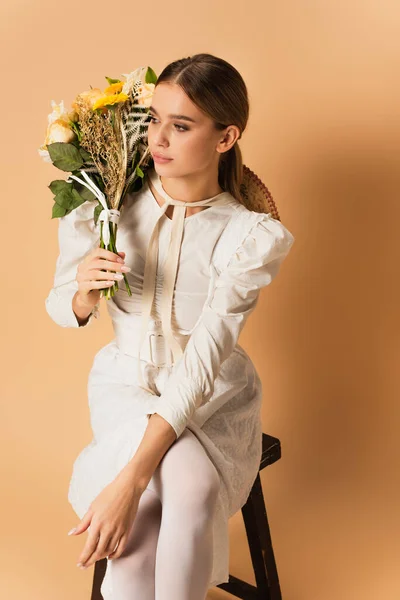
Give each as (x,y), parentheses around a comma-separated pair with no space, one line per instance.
(81,310)
(158,438)
(77,236)
(253,265)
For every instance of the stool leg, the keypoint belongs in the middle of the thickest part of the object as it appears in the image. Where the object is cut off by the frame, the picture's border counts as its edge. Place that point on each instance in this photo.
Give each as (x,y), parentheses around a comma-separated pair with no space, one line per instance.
(98,576)
(260,544)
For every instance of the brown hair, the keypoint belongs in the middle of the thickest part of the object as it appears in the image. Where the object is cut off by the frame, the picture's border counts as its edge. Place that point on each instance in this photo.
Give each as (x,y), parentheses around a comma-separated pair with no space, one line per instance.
(219,90)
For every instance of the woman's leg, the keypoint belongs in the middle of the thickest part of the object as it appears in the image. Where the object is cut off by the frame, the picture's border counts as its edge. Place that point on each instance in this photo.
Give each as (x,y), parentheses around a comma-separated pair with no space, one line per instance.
(188,485)
(171,561)
(133,573)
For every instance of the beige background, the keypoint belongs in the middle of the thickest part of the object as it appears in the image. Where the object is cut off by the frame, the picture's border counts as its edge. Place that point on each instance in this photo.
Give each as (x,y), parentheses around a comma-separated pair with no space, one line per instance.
(324,136)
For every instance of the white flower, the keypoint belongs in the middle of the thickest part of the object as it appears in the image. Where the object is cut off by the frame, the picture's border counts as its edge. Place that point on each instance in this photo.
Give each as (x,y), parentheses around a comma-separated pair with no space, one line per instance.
(145,90)
(59,112)
(131,78)
(44,154)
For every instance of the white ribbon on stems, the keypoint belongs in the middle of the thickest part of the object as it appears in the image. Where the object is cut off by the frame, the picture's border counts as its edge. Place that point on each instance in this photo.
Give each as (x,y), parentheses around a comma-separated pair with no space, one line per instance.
(107,214)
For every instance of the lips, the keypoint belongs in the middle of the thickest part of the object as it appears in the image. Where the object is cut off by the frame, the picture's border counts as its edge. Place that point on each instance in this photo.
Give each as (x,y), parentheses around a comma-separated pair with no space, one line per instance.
(156,155)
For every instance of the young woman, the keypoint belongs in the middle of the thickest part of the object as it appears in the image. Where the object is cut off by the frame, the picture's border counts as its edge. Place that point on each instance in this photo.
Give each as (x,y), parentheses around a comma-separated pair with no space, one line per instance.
(174,400)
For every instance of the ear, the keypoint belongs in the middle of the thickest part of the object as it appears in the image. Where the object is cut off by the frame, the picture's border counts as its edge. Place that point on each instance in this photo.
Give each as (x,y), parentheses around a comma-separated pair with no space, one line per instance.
(232,134)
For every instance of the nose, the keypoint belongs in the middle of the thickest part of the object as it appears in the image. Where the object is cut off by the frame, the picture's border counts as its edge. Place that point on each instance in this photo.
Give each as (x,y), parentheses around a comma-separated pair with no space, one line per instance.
(160,137)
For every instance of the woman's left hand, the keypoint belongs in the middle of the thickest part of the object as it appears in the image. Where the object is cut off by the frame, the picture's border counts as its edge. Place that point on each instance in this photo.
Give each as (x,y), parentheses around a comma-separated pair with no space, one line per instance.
(110,517)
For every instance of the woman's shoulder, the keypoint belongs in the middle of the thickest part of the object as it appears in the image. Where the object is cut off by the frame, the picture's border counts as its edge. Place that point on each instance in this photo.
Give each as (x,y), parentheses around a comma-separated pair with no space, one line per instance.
(243,220)
(253,233)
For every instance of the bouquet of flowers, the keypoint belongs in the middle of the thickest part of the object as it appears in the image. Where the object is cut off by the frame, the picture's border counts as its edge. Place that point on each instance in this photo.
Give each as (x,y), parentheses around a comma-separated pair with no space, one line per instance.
(102,142)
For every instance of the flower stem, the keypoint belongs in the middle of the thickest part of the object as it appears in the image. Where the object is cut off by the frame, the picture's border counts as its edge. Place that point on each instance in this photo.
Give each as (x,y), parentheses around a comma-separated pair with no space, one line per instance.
(112,246)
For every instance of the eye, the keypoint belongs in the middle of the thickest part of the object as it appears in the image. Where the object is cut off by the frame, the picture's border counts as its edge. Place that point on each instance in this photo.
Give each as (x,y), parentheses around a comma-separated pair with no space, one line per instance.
(179,127)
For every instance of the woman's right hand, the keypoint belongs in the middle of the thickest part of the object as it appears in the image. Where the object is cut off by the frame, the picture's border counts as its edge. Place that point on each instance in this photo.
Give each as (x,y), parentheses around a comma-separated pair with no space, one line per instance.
(95,273)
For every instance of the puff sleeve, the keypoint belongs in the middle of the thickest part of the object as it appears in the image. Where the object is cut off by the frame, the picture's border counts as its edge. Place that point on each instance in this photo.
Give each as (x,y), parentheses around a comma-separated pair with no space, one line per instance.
(77,236)
(234,296)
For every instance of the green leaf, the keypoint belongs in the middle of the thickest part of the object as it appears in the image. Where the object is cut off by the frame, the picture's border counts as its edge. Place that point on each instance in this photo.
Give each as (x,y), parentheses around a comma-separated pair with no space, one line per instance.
(64,199)
(136,150)
(97,212)
(96,177)
(135,185)
(77,199)
(150,77)
(87,157)
(139,172)
(58,211)
(77,131)
(83,191)
(58,185)
(111,81)
(69,199)
(65,156)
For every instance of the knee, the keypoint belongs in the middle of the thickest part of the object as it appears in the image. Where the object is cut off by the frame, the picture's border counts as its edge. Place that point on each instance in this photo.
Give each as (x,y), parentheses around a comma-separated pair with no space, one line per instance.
(212,484)
(187,478)
(200,490)
(134,563)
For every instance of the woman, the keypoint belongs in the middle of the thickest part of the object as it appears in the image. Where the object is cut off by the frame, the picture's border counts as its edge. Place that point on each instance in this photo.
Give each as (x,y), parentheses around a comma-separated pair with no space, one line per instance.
(174,400)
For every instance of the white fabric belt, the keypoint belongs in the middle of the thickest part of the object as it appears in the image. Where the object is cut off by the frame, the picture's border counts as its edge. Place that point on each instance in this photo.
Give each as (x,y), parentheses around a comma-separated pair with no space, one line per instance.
(154,347)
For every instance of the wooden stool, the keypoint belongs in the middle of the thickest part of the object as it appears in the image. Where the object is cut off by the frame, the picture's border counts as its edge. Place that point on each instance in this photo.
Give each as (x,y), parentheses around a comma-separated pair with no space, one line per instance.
(258,536)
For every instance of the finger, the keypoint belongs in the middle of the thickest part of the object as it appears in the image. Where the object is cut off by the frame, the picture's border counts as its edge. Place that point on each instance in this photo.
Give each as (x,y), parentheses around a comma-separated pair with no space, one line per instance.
(113,544)
(100,550)
(120,548)
(107,254)
(90,546)
(97,275)
(100,263)
(86,286)
(84,523)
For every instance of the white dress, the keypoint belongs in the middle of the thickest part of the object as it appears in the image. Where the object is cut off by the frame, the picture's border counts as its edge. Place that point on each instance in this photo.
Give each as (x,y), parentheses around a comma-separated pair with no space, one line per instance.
(228,254)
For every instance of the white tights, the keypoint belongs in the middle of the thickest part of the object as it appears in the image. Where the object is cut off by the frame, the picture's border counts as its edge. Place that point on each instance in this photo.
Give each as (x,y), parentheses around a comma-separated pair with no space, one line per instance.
(169,550)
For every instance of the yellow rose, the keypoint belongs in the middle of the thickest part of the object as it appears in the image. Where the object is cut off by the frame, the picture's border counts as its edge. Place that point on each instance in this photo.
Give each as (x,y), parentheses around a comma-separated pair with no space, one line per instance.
(73,116)
(58,129)
(90,97)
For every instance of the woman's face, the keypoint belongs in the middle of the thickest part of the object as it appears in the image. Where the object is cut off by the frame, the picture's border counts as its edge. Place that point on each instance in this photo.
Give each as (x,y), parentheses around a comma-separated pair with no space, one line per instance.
(193,144)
